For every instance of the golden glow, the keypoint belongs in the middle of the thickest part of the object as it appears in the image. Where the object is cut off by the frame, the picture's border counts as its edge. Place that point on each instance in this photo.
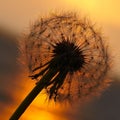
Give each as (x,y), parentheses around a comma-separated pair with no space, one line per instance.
(106,11)
(40,108)
(38,115)
(88,4)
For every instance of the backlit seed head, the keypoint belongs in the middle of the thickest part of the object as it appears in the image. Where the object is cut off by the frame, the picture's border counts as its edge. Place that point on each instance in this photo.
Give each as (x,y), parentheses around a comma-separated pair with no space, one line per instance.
(75,49)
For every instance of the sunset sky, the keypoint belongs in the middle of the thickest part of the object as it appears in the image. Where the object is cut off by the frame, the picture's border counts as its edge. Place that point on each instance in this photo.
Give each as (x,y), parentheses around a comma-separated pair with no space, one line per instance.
(17,15)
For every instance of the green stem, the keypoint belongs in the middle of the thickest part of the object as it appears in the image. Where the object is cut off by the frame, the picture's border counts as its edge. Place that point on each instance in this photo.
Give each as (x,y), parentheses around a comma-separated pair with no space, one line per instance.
(31,96)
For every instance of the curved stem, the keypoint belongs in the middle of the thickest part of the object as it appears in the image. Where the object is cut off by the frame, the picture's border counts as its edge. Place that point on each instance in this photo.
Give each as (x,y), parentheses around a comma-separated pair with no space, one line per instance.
(31,96)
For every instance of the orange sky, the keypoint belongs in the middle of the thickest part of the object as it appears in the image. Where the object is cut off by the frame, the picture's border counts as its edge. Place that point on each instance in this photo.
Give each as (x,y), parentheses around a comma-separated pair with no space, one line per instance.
(18,14)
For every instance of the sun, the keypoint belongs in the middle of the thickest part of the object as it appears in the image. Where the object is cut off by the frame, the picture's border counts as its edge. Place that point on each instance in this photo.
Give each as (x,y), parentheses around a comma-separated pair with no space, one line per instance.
(84,4)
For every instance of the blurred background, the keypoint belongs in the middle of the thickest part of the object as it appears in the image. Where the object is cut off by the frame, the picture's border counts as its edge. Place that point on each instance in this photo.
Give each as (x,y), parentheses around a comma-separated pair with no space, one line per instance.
(15,19)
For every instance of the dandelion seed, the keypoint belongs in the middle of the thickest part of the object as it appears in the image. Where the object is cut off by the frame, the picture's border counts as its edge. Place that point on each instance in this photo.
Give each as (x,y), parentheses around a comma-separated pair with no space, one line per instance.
(74,49)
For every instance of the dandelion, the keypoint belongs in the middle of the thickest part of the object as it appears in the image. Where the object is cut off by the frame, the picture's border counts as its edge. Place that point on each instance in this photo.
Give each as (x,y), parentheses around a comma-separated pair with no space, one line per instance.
(67,56)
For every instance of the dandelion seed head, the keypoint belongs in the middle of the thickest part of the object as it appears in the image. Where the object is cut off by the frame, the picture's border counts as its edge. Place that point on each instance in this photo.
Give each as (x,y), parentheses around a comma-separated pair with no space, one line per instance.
(70,57)
(73,47)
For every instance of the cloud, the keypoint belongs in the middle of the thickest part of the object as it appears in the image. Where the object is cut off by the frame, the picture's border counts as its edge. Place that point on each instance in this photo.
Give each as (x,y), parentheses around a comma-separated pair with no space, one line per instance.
(106,107)
(8,54)
(8,68)
(5,98)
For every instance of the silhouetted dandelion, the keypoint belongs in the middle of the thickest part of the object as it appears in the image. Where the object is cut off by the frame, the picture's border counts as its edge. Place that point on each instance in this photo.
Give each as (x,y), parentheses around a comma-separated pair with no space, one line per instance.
(67,56)
(73,49)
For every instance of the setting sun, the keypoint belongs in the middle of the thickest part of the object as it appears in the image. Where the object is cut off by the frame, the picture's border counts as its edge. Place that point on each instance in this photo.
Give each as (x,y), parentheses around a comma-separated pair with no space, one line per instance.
(85,3)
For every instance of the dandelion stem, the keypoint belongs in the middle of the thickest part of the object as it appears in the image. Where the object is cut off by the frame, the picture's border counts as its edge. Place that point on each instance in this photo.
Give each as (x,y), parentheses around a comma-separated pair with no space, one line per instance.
(31,96)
